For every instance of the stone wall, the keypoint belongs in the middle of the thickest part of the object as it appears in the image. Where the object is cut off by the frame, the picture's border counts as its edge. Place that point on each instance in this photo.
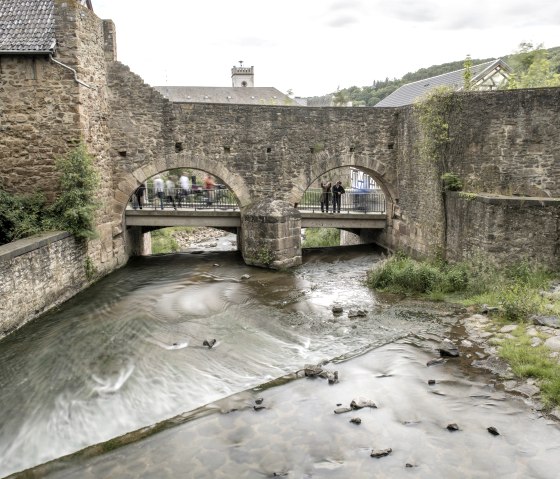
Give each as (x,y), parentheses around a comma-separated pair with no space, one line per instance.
(501,142)
(37,274)
(507,142)
(46,112)
(502,229)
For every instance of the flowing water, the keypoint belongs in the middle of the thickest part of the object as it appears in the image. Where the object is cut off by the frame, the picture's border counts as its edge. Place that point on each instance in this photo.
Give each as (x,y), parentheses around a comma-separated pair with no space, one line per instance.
(128,353)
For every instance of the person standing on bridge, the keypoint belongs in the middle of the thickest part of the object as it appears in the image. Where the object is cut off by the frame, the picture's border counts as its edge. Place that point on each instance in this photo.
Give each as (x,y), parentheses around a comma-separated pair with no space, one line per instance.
(158,190)
(139,193)
(338,191)
(185,187)
(325,195)
(170,192)
(209,185)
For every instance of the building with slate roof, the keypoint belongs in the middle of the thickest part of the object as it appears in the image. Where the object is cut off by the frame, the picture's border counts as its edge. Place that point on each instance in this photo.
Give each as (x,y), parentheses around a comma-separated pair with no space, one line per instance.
(485,76)
(28,26)
(242,92)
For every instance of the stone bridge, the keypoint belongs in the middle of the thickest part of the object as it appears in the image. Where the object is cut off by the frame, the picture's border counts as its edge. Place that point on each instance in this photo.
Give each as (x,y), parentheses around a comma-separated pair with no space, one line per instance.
(504,146)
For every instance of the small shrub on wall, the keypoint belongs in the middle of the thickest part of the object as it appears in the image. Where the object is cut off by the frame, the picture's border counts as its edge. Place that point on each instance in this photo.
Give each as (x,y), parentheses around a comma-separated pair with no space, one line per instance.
(74,208)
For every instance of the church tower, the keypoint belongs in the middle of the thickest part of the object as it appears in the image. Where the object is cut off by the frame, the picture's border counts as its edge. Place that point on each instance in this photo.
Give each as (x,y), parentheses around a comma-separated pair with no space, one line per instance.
(242,76)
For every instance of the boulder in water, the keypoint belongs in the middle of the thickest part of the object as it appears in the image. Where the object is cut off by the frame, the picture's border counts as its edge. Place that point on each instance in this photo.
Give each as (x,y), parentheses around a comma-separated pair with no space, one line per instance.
(209,342)
(361,402)
(435,361)
(381,452)
(447,348)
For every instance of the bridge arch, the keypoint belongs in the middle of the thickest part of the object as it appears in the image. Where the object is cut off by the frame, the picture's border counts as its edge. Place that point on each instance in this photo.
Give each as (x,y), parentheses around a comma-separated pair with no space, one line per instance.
(131,180)
(326,162)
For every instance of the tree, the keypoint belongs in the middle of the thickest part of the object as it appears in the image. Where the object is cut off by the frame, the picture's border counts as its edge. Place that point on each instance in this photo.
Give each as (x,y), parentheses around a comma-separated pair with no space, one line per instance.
(532,68)
(340,98)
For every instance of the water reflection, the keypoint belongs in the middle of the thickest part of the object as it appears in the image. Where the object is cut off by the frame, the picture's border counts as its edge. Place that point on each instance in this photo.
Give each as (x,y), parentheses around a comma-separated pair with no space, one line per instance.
(130,352)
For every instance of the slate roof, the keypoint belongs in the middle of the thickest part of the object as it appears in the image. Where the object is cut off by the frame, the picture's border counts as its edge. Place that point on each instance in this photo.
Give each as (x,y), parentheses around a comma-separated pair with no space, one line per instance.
(231,95)
(27,26)
(406,94)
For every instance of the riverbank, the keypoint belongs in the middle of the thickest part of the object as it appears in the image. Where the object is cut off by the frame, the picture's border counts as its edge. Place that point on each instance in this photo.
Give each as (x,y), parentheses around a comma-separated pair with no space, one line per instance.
(492,342)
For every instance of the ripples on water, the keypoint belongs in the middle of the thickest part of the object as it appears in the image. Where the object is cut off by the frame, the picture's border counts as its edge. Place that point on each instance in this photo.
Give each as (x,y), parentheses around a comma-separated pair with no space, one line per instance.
(128,352)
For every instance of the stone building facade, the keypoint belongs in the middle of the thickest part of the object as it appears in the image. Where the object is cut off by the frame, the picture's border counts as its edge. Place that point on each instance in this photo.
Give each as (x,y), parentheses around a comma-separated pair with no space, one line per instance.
(502,143)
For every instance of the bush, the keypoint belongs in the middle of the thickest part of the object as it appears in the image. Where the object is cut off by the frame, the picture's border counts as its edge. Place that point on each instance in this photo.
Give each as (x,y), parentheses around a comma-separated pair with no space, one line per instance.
(20,215)
(405,275)
(518,302)
(74,208)
(451,182)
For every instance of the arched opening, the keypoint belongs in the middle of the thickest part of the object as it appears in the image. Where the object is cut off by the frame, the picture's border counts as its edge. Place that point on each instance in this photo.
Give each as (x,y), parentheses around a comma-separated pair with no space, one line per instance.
(182,210)
(183,188)
(344,194)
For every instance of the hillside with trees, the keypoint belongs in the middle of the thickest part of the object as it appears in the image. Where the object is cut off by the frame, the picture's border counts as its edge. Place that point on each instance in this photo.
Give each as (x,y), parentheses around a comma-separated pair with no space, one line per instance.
(532,66)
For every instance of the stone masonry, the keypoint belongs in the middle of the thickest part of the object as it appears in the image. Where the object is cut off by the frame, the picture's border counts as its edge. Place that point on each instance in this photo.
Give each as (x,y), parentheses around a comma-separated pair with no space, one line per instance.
(38,273)
(505,144)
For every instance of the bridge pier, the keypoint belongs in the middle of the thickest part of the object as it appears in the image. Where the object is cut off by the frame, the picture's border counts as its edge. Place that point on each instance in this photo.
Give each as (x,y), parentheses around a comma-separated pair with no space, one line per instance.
(138,243)
(271,234)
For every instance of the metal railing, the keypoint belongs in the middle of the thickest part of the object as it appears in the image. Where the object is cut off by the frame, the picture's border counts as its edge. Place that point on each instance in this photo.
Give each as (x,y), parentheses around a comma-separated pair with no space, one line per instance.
(352,201)
(221,198)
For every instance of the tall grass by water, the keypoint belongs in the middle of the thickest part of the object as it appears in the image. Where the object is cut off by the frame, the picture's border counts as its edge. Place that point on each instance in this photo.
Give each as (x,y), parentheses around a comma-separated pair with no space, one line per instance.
(515,293)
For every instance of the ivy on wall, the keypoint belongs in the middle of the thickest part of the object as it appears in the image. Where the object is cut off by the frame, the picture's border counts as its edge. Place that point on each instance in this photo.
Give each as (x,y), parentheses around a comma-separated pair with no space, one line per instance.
(432,111)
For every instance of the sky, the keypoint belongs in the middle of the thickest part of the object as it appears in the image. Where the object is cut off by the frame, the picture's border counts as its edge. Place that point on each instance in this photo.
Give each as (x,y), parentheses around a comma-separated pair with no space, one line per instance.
(314,47)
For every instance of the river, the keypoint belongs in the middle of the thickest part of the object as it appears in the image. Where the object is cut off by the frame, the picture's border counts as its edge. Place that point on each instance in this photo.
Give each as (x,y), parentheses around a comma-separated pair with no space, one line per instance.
(129,352)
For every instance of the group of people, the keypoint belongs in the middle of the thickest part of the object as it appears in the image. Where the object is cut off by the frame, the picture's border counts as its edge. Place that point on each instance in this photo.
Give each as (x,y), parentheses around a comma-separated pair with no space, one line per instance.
(329,191)
(167,192)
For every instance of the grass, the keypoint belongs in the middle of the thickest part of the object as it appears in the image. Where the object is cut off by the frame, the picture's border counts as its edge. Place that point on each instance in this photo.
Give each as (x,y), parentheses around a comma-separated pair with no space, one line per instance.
(517,291)
(164,242)
(321,237)
(527,361)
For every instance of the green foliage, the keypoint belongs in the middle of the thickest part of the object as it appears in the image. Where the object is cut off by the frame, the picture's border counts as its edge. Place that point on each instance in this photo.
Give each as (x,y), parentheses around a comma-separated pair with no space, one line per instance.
(467,196)
(340,98)
(373,94)
(163,241)
(89,268)
(401,274)
(518,302)
(20,215)
(467,74)
(533,68)
(321,237)
(451,182)
(264,256)
(74,208)
(514,289)
(528,361)
(432,110)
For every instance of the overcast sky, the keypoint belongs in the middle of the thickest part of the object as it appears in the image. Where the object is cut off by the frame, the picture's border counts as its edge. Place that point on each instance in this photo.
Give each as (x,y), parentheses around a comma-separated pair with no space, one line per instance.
(314,47)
